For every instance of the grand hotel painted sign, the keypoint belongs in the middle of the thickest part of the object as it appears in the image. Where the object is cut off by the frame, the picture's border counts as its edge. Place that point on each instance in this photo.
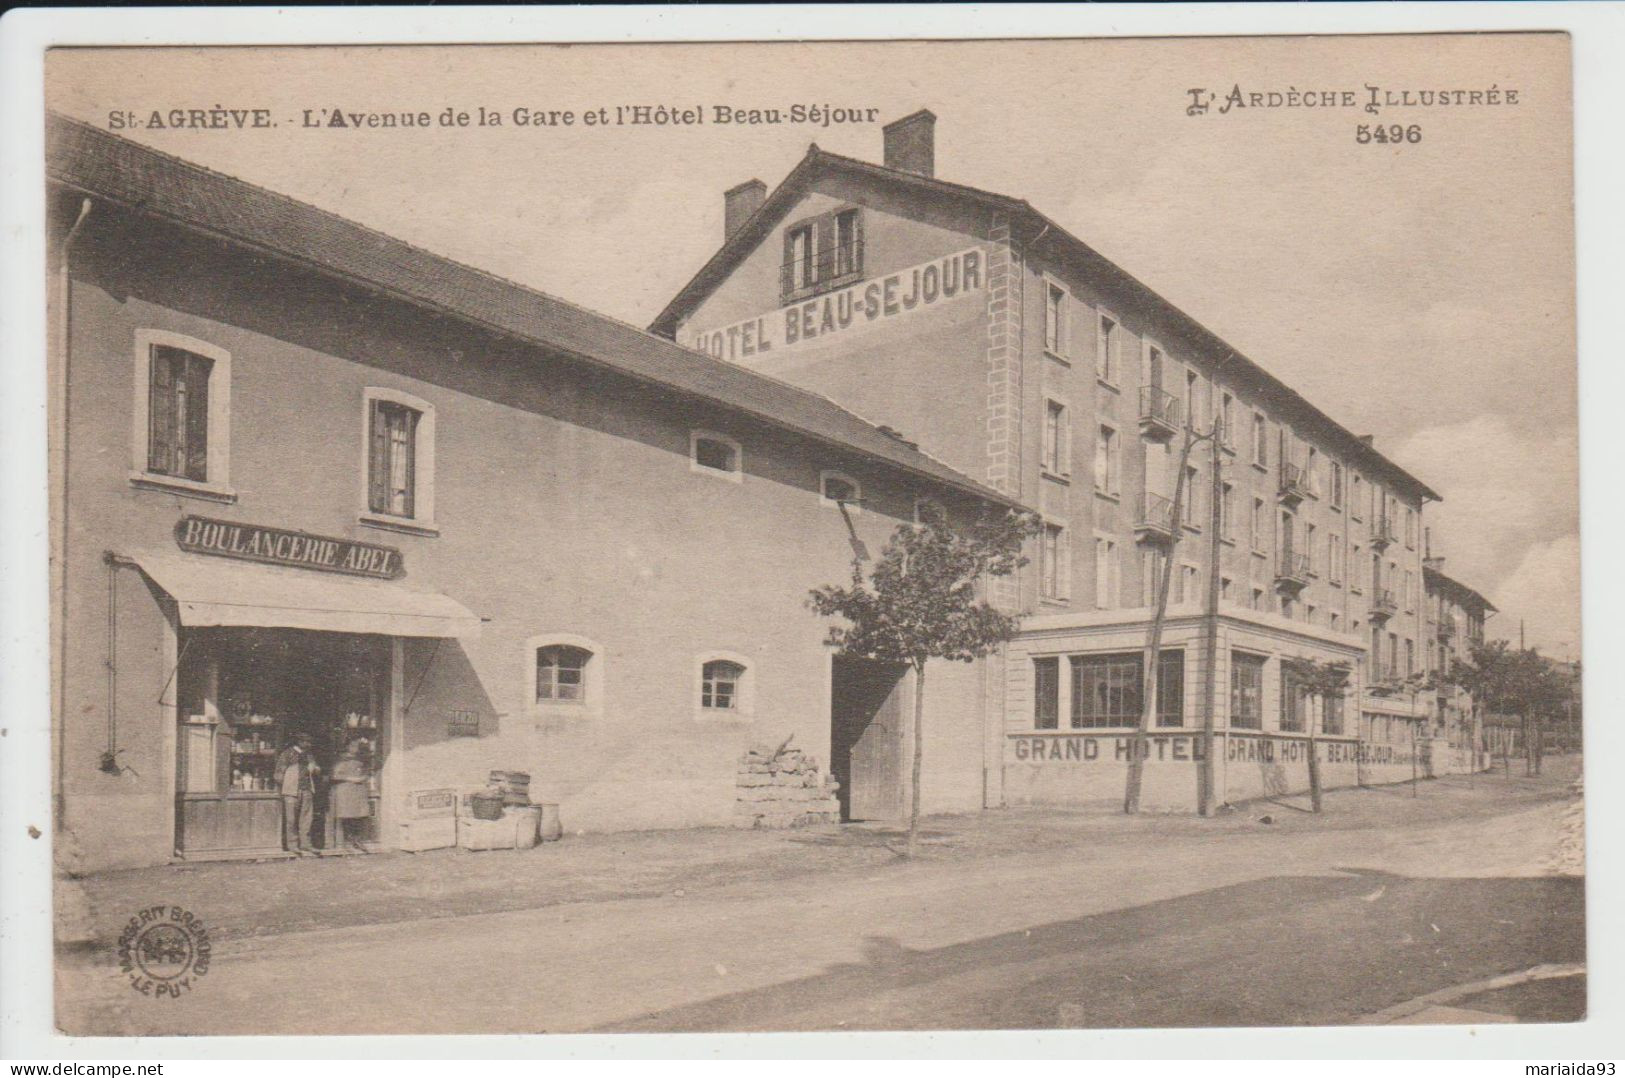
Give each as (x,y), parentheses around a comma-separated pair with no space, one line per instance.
(850,311)
(279,546)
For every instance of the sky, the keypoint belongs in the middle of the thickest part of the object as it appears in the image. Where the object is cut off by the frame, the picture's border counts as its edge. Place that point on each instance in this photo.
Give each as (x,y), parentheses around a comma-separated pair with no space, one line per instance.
(1421,291)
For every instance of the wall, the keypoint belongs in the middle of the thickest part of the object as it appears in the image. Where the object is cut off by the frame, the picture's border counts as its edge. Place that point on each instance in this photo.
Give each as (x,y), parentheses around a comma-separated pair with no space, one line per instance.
(565,503)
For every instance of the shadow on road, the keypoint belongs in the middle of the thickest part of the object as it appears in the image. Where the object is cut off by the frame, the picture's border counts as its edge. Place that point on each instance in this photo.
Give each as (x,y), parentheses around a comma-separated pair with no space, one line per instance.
(1304,950)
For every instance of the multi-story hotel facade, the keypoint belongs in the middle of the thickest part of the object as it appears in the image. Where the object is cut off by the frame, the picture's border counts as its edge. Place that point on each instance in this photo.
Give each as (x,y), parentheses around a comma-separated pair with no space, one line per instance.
(973,325)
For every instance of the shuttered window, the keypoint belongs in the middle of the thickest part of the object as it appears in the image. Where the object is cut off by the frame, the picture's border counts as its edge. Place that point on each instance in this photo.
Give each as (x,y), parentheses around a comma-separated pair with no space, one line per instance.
(391,470)
(178,413)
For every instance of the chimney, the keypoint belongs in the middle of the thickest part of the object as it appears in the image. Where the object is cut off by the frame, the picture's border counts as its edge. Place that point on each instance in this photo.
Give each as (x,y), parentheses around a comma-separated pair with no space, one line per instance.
(738,203)
(911,144)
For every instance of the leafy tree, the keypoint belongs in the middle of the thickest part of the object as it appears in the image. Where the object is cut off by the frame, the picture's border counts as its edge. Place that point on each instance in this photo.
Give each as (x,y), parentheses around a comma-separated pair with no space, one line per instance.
(1323,681)
(921,602)
(1514,681)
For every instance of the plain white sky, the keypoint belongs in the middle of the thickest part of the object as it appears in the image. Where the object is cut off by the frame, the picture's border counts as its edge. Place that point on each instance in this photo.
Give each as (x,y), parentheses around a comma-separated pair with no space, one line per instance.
(1423,293)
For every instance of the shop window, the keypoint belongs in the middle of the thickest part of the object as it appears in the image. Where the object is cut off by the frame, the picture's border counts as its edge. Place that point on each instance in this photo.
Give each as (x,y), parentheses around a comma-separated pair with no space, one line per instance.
(725,689)
(1246,691)
(1294,702)
(400,438)
(182,428)
(839,489)
(1046,693)
(715,454)
(1106,689)
(1332,721)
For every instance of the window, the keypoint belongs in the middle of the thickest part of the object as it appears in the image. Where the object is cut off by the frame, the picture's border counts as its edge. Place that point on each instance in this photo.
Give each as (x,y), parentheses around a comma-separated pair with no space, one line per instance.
(799,268)
(182,409)
(1105,573)
(1106,689)
(1311,471)
(1309,547)
(1294,701)
(1106,344)
(393,478)
(1336,621)
(1410,527)
(1055,315)
(1410,591)
(1355,493)
(1227,433)
(1261,440)
(719,684)
(561,674)
(1224,589)
(848,243)
(1332,719)
(178,414)
(1106,461)
(1246,691)
(1337,485)
(1057,439)
(1193,489)
(1190,584)
(840,490)
(1046,693)
(400,460)
(1227,511)
(1356,567)
(1410,657)
(1334,557)
(1258,528)
(715,454)
(1053,562)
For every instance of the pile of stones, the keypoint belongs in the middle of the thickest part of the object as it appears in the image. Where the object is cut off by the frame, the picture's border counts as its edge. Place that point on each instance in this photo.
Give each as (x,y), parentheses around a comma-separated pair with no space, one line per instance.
(782,788)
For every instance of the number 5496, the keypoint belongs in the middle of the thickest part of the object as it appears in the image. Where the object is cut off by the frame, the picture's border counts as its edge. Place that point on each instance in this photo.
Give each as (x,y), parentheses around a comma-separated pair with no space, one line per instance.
(1387,133)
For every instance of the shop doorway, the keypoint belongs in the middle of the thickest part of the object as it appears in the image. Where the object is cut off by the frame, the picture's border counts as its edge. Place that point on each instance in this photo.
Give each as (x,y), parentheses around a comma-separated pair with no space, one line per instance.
(866,738)
(246,695)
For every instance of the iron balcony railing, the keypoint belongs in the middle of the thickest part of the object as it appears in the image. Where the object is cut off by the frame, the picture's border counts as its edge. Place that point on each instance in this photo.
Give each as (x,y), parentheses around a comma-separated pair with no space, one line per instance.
(1382,533)
(1156,515)
(1293,485)
(1159,407)
(825,269)
(1293,568)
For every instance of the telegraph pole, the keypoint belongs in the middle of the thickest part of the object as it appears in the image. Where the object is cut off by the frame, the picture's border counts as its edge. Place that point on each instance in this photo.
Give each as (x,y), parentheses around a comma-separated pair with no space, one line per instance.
(1207,794)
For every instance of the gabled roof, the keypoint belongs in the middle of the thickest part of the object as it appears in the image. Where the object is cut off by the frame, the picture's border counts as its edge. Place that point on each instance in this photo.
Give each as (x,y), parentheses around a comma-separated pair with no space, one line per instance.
(106,166)
(819,163)
(1459,593)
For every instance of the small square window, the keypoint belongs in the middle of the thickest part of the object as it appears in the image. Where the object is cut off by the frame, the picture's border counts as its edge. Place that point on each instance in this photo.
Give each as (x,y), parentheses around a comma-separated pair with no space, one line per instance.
(842,490)
(715,453)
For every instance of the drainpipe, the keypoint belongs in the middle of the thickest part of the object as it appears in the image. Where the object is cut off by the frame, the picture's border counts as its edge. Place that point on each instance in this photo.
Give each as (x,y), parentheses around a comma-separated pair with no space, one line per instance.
(59,534)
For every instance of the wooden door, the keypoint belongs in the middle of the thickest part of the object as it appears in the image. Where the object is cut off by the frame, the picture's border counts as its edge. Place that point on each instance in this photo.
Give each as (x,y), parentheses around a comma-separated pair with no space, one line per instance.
(867,739)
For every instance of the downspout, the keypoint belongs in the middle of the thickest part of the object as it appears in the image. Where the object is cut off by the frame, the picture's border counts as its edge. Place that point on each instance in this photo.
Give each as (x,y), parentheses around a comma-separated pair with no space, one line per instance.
(59,534)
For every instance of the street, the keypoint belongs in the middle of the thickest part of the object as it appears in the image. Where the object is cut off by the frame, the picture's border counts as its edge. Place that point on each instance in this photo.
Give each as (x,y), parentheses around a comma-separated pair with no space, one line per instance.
(1388,907)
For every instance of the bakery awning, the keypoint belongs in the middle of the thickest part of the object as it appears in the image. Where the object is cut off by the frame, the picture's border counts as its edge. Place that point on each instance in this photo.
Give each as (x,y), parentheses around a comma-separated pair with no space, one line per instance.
(220,591)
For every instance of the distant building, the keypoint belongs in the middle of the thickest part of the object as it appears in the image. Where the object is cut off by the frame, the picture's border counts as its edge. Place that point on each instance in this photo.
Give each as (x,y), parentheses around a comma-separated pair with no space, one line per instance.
(1455,622)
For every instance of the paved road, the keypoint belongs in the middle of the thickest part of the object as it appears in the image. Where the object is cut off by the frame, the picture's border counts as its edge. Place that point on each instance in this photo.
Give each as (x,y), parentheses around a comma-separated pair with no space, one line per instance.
(1265,928)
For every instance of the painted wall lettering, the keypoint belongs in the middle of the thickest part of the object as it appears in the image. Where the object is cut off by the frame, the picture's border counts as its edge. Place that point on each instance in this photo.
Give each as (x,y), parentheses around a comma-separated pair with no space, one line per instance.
(847,310)
(278,546)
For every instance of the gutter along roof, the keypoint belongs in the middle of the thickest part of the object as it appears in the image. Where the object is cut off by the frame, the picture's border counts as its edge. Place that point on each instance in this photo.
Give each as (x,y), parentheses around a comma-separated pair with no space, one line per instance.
(1436,578)
(159,185)
(818,162)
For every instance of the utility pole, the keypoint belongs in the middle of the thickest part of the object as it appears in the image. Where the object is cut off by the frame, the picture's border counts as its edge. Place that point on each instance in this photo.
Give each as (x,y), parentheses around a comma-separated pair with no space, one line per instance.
(1207,792)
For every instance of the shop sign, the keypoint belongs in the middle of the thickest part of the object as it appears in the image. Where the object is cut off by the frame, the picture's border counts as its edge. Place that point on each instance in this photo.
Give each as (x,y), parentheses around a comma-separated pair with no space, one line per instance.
(280,546)
(462,723)
(848,311)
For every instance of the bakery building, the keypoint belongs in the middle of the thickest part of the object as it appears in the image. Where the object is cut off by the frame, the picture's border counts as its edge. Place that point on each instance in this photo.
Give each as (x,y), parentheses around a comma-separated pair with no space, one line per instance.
(1007,347)
(312,483)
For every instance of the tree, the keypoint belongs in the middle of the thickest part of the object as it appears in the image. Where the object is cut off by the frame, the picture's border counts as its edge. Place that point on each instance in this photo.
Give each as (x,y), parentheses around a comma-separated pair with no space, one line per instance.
(1324,681)
(921,602)
(1514,681)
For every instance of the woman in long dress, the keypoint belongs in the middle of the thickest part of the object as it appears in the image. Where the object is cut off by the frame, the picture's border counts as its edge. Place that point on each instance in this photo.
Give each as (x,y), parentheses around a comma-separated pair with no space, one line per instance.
(348,799)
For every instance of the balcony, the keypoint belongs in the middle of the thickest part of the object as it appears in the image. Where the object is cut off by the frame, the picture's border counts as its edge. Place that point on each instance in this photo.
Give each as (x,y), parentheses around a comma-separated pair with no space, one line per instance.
(1292,572)
(1294,485)
(833,268)
(1159,414)
(1155,523)
(1382,534)
(1383,604)
(1447,630)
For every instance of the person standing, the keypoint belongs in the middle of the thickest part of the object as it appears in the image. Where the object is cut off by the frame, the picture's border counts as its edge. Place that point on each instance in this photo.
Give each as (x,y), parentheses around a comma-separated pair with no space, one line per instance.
(296,776)
(347,799)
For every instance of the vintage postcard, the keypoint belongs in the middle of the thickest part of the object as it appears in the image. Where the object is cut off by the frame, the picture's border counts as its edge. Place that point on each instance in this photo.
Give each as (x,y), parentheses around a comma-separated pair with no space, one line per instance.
(814,536)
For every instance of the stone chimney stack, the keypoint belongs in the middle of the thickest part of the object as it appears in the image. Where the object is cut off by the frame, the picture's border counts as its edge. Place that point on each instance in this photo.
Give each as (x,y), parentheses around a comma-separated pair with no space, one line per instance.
(738,203)
(911,143)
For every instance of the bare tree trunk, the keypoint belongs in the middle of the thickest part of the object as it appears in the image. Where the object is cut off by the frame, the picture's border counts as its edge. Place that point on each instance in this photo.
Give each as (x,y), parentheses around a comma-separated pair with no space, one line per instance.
(1528,748)
(1314,760)
(919,745)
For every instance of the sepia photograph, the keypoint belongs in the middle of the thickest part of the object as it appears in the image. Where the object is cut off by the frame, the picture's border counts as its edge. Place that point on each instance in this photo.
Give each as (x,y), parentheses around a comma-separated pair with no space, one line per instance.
(813,536)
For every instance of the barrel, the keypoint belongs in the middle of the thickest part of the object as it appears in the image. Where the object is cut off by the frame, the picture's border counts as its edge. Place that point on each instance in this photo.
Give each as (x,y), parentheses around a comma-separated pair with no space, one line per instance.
(513,785)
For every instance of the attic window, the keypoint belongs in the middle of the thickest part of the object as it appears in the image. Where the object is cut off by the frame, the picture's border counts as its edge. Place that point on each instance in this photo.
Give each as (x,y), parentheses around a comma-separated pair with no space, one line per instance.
(822,252)
(837,489)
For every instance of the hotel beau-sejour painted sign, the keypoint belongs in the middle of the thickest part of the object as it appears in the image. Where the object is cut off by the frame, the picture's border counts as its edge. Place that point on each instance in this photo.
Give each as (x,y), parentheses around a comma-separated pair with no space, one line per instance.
(279,546)
(850,310)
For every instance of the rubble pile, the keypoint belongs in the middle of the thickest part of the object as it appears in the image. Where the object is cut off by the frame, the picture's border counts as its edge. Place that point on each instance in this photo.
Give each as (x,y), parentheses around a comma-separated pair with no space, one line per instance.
(782,788)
